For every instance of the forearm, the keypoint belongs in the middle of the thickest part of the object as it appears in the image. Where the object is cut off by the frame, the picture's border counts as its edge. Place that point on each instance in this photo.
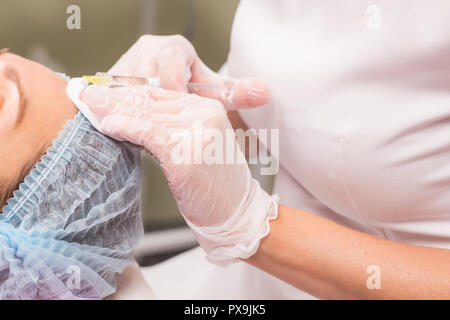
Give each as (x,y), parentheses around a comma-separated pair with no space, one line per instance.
(330,261)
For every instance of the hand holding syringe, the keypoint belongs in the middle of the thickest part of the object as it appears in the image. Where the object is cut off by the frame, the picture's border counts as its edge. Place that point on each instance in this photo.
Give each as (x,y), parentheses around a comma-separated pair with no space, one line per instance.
(150,117)
(225,90)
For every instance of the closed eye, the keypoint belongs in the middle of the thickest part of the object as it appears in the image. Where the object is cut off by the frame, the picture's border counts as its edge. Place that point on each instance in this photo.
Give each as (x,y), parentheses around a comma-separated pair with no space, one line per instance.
(12,74)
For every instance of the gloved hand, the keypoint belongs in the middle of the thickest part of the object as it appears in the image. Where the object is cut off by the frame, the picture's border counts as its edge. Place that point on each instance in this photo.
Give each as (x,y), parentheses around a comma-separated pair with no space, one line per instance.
(174,61)
(226,208)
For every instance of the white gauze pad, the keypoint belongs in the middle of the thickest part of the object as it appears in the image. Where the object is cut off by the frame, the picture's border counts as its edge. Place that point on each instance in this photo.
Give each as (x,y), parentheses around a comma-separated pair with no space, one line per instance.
(74,89)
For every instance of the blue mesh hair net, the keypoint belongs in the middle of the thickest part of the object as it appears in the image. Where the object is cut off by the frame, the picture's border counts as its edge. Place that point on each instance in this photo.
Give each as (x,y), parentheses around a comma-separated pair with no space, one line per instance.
(74,222)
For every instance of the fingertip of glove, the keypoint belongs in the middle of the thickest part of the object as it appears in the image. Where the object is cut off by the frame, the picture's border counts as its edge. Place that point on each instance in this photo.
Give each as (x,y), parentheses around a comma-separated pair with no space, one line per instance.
(93,95)
(251,93)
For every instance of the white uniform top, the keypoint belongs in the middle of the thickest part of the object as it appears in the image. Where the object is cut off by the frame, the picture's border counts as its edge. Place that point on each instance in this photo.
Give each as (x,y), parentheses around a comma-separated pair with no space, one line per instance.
(361,95)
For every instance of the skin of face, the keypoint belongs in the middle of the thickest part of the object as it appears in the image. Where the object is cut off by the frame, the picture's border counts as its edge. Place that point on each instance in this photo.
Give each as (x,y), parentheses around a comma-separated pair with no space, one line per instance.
(34,107)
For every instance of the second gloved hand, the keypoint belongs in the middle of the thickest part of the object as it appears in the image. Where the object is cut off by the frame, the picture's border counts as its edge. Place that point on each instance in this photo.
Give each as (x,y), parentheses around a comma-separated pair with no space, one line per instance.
(207,173)
(174,61)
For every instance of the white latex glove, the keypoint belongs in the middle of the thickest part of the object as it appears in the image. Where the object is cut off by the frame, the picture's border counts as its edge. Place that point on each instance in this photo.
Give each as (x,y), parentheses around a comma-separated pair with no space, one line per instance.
(174,61)
(226,208)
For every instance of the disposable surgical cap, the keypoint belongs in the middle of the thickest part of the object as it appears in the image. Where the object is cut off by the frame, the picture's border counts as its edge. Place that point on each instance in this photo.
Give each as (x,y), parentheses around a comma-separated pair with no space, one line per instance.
(75,220)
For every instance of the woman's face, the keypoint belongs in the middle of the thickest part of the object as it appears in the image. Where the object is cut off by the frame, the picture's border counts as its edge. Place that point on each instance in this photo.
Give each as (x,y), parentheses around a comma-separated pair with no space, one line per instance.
(33,109)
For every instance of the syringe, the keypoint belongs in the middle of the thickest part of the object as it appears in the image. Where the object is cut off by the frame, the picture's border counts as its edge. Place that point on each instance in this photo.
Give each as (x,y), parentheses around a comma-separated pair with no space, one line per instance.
(224,90)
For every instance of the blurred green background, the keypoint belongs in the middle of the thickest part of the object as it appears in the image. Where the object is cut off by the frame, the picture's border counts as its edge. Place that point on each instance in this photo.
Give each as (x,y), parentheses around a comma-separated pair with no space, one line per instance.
(37,30)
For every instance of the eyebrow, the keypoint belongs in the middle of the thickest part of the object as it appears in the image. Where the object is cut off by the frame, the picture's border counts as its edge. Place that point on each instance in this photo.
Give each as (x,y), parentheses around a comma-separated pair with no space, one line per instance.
(12,74)
(3,51)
